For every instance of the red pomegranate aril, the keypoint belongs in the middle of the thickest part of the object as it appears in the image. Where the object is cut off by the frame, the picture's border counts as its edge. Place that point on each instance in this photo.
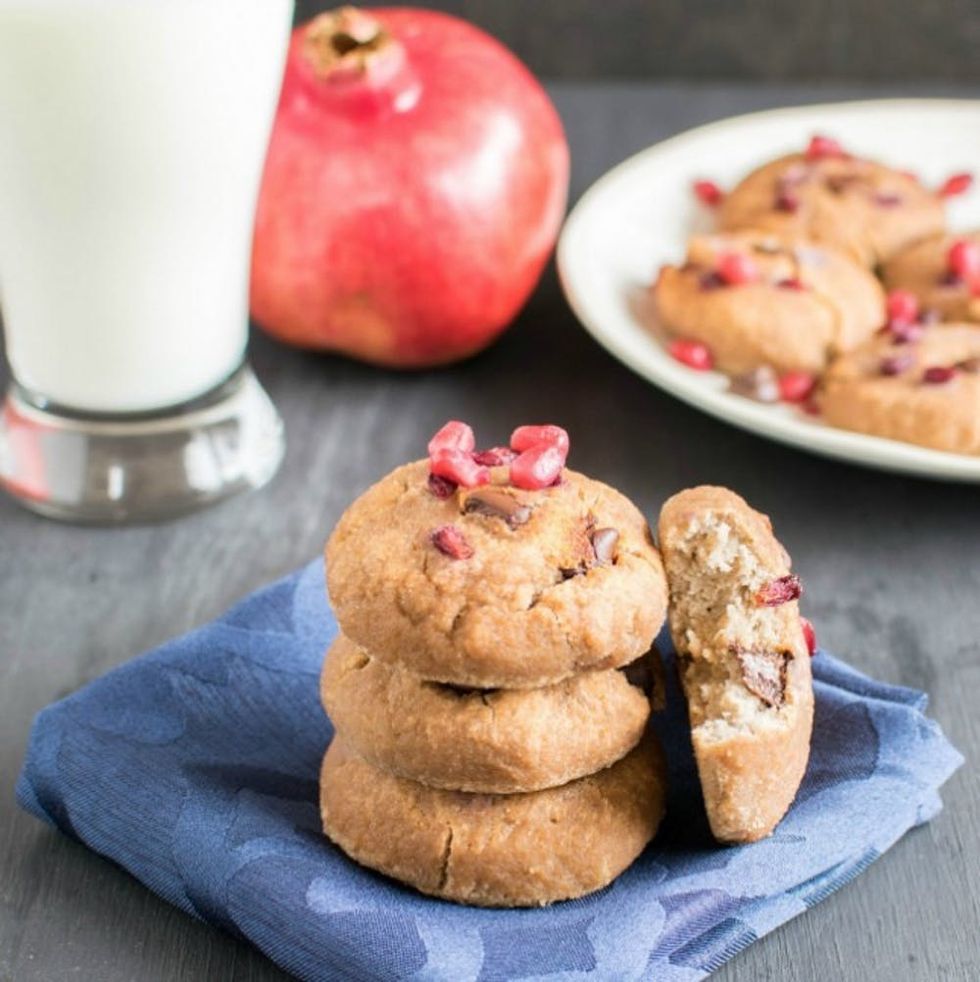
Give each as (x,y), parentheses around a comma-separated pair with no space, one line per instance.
(525,437)
(441,487)
(453,436)
(494,457)
(896,364)
(902,305)
(537,467)
(796,386)
(956,184)
(905,332)
(708,193)
(780,591)
(809,635)
(455,465)
(938,374)
(791,283)
(737,269)
(787,201)
(450,542)
(821,147)
(963,260)
(694,354)
(887,199)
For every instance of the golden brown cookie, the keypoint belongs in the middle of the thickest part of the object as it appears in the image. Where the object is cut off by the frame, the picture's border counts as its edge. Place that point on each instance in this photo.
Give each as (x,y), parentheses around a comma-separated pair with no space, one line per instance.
(860,207)
(518,850)
(929,270)
(742,658)
(491,741)
(755,299)
(496,587)
(925,391)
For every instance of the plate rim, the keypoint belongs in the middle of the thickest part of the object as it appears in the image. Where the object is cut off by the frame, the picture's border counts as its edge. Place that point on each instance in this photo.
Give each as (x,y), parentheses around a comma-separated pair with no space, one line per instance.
(766,421)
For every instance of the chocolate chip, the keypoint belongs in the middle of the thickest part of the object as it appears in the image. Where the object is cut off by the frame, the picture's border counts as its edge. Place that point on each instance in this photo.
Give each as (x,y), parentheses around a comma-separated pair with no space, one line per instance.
(494,503)
(604,545)
(763,674)
(971,365)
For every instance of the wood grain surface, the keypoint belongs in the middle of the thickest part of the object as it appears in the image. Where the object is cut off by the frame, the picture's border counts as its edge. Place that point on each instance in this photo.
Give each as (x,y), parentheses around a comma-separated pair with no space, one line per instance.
(891,565)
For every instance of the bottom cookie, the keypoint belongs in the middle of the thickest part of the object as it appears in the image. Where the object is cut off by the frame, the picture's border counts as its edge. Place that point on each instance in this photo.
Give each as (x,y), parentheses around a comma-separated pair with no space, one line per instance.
(518,850)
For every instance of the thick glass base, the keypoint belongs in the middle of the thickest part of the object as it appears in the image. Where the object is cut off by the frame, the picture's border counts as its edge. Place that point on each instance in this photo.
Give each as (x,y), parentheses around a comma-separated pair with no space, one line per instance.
(143,467)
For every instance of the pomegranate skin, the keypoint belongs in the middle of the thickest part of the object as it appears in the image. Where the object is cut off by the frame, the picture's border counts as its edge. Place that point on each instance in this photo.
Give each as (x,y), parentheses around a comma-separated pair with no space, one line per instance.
(406,213)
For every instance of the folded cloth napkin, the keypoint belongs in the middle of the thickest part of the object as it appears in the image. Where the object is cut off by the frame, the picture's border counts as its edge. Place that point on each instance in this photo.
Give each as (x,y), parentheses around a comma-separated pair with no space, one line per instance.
(195,768)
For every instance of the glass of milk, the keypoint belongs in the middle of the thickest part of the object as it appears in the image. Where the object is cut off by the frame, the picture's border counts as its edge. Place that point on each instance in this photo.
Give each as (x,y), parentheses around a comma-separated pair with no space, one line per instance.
(132,139)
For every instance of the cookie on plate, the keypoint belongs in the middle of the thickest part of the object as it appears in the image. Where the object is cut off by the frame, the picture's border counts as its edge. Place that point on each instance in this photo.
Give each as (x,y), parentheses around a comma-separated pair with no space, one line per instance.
(942,273)
(517,850)
(742,658)
(861,207)
(491,741)
(755,299)
(496,586)
(924,391)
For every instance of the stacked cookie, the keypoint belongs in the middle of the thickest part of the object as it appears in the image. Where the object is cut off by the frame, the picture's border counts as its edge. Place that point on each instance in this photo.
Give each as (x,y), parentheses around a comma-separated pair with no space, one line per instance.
(490,748)
(784,297)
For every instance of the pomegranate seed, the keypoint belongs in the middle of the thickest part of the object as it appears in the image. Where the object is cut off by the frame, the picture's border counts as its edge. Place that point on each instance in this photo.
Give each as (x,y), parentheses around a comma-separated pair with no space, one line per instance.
(896,364)
(453,436)
(708,193)
(459,467)
(810,405)
(737,269)
(450,542)
(791,283)
(938,374)
(809,635)
(820,147)
(963,260)
(955,184)
(494,457)
(441,487)
(525,437)
(694,354)
(905,332)
(780,591)
(796,386)
(887,199)
(787,201)
(537,467)
(902,305)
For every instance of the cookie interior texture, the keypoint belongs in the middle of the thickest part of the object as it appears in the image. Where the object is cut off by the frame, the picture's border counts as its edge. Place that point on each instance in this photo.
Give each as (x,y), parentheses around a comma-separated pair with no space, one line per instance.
(520,850)
(499,741)
(744,666)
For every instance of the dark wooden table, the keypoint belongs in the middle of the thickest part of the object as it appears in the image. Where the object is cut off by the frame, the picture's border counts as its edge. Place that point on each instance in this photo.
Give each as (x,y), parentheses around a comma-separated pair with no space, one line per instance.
(892,567)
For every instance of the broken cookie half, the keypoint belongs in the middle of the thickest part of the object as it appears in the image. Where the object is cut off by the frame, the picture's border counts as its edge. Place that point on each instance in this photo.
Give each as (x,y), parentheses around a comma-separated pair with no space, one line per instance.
(742,657)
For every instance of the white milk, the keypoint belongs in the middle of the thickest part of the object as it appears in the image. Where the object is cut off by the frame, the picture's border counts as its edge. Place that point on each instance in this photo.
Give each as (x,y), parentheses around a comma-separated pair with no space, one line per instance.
(132,137)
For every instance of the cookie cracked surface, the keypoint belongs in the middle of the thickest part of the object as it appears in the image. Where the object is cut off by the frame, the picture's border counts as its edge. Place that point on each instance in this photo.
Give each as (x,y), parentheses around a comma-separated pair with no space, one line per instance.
(518,850)
(489,741)
(519,604)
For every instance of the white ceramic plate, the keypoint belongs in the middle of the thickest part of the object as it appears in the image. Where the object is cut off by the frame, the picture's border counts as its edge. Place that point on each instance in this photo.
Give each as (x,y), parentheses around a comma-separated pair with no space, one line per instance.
(640,214)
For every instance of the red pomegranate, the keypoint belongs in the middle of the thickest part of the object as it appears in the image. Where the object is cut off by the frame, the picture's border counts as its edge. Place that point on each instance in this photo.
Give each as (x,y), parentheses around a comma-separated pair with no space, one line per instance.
(415,182)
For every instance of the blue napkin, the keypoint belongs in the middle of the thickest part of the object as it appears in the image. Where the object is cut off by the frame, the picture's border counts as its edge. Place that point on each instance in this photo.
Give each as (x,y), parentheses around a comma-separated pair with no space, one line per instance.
(195,768)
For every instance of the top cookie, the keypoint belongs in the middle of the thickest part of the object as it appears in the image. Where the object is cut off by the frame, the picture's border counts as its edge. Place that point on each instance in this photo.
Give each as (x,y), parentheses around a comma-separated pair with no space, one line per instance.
(859,206)
(496,586)
(942,272)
